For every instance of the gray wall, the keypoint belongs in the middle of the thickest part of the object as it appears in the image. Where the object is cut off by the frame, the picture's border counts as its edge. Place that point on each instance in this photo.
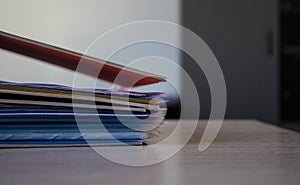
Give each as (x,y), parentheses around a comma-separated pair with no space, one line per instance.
(239,33)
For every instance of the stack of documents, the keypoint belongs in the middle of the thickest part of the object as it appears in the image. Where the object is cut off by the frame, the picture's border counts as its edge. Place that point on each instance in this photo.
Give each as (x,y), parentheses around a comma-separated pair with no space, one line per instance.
(45,114)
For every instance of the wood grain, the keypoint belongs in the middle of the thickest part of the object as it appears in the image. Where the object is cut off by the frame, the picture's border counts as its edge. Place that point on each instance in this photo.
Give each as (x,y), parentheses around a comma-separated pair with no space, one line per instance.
(245,152)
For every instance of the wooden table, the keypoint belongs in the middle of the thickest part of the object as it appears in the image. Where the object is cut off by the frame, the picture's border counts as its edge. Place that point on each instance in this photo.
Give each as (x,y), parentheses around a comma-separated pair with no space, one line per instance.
(245,152)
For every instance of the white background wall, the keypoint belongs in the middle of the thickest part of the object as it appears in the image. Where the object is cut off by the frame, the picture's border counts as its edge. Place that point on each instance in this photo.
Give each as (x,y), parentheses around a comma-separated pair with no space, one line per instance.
(75,24)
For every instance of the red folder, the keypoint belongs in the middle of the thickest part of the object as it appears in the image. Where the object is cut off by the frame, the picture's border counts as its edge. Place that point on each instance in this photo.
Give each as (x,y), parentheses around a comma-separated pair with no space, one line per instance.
(127,77)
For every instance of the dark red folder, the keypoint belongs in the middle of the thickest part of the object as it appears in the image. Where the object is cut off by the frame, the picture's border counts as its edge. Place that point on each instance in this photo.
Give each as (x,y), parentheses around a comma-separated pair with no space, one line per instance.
(127,77)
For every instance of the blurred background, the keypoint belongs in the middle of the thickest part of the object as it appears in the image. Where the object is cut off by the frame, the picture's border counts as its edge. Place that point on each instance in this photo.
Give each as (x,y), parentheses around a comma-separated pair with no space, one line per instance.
(256,42)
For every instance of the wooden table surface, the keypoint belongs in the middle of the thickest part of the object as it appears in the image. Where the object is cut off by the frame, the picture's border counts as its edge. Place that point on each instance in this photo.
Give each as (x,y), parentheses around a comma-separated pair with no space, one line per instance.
(245,152)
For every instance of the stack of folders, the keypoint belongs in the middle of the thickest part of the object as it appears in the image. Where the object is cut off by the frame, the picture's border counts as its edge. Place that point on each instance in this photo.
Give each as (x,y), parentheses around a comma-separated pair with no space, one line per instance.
(34,114)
